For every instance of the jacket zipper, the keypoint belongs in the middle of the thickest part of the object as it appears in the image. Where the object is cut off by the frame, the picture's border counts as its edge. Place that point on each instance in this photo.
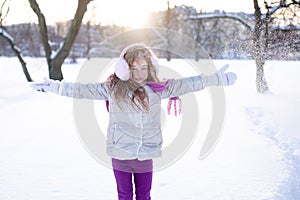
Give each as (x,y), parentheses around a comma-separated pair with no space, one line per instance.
(141,132)
(113,135)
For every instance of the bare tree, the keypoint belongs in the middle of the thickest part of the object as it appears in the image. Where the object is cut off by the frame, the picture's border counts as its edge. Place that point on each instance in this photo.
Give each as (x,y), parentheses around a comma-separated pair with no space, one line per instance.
(55,60)
(10,40)
(260,47)
(259,31)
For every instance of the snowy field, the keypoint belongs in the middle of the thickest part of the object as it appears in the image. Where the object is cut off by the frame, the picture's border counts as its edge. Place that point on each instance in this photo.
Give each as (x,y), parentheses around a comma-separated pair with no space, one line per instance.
(257,157)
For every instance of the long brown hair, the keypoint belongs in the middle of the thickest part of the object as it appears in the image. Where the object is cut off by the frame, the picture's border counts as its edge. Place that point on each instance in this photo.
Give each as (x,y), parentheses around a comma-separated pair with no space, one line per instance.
(129,91)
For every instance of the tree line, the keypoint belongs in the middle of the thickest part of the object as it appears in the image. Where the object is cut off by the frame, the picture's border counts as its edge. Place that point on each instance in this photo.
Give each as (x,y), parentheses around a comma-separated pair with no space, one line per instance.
(223,38)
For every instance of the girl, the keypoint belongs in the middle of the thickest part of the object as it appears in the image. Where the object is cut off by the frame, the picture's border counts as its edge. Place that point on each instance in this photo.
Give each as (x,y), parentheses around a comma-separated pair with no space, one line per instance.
(134,95)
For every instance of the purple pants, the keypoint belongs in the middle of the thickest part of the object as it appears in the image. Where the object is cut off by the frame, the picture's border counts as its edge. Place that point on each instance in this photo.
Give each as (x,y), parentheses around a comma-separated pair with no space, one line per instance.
(142,173)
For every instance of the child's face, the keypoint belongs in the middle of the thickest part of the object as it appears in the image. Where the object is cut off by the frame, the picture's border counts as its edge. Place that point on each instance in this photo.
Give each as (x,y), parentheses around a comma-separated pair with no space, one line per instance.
(139,71)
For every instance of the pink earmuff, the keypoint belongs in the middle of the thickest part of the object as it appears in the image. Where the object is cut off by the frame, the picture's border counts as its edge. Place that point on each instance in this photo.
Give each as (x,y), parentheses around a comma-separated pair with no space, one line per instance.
(122,68)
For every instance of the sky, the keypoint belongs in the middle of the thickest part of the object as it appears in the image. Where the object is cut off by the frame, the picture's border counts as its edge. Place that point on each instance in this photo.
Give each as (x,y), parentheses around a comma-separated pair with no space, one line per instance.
(120,12)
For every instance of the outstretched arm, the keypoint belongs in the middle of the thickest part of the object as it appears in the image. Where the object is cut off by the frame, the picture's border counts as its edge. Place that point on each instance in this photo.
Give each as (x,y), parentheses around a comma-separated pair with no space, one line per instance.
(76,90)
(196,83)
(220,78)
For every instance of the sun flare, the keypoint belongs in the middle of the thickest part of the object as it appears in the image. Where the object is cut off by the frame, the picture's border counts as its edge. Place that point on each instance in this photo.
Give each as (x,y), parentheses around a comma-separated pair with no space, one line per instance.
(131,13)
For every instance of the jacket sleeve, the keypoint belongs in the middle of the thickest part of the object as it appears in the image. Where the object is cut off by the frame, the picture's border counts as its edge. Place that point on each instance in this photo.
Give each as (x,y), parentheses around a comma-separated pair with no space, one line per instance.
(98,91)
(182,86)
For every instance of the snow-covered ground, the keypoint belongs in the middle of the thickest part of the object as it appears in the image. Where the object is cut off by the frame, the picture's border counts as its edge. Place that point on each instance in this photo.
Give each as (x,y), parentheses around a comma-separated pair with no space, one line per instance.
(257,157)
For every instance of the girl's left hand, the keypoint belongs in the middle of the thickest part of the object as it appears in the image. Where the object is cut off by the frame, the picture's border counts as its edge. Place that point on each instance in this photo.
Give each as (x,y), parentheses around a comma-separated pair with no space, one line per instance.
(220,78)
(226,79)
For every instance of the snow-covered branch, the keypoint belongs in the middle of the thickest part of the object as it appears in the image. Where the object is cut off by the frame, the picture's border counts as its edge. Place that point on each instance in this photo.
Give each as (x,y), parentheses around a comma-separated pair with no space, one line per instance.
(240,17)
(16,50)
(287,28)
(5,34)
(282,4)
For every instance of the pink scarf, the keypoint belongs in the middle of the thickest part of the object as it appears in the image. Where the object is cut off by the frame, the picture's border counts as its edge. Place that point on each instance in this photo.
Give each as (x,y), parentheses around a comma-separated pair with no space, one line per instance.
(159,87)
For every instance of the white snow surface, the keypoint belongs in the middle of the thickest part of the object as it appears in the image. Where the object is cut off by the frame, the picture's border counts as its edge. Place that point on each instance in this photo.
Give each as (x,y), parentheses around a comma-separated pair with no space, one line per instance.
(257,157)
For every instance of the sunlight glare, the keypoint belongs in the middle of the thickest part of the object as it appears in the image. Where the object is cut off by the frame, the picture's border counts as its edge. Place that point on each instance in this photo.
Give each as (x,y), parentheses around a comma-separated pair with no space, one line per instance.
(131,13)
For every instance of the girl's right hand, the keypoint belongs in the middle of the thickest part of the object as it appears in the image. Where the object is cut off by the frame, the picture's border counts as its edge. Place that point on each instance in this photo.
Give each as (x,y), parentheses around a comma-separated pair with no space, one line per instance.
(46,86)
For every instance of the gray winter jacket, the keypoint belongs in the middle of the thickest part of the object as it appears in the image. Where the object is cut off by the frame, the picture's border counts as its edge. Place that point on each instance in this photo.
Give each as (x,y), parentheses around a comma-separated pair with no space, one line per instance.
(133,133)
